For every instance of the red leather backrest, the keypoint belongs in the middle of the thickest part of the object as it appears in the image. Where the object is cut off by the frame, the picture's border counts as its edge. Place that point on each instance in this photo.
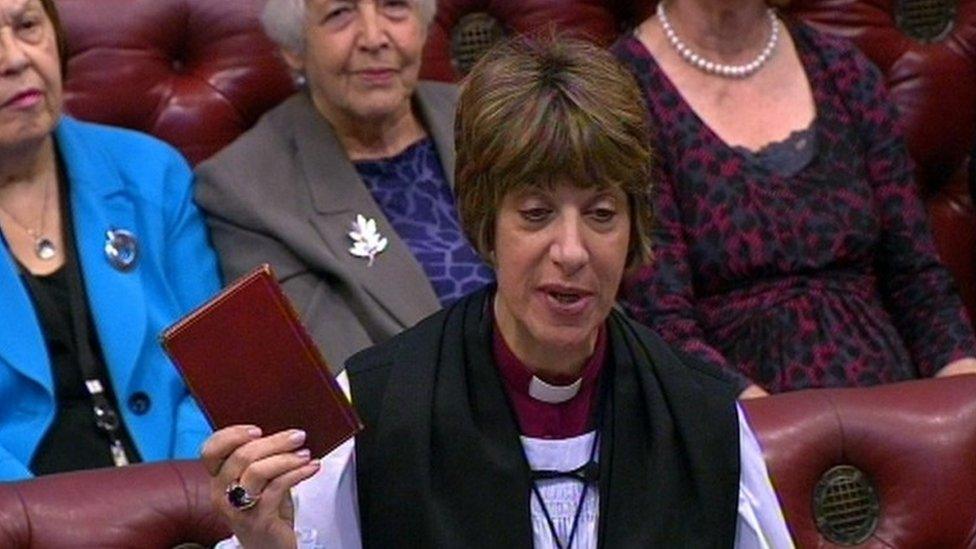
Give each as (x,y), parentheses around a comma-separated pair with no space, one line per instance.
(599,21)
(195,73)
(153,505)
(915,442)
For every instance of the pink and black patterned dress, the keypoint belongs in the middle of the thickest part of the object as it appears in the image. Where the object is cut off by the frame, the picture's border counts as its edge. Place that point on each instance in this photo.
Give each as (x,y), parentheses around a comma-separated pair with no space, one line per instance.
(818,275)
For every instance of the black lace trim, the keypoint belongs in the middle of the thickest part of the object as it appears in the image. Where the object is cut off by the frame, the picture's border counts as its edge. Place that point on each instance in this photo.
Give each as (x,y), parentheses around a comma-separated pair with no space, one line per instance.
(789,156)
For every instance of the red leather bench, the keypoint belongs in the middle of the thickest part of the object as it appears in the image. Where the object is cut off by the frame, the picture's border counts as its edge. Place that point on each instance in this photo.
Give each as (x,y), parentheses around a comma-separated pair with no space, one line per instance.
(912,445)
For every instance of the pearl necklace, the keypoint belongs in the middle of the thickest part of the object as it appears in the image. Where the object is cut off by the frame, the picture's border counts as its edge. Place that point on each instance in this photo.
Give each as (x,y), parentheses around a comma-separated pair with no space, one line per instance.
(720,69)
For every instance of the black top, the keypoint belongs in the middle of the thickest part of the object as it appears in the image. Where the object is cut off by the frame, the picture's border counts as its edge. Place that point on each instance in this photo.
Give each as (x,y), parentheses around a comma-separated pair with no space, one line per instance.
(73,441)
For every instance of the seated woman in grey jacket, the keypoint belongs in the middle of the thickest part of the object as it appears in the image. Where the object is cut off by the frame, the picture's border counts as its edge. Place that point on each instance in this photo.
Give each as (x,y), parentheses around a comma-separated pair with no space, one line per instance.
(345,188)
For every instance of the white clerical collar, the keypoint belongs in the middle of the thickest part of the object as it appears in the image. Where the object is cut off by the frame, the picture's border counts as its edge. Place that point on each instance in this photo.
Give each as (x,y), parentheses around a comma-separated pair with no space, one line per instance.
(553,394)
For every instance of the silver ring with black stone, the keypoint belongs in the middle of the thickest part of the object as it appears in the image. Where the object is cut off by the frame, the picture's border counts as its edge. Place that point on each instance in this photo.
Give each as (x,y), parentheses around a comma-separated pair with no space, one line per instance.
(239,498)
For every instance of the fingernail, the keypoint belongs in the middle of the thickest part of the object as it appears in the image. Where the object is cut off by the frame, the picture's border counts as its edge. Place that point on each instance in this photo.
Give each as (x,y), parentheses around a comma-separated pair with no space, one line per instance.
(303,453)
(315,463)
(254,432)
(297,437)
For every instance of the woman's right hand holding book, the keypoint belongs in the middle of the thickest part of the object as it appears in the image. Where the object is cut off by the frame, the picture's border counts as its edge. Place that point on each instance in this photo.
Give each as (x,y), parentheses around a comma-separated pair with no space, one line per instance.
(251,479)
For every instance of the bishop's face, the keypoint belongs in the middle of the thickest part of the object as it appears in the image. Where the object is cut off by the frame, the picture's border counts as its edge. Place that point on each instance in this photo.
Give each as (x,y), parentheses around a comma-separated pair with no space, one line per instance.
(560,254)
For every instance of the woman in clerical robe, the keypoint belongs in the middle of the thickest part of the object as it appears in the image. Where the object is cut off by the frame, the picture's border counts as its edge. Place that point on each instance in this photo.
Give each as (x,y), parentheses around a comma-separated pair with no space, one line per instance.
(531,413)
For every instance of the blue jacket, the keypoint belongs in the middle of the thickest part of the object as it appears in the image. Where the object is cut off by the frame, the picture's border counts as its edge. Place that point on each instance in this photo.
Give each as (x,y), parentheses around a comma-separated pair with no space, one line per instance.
(117,179)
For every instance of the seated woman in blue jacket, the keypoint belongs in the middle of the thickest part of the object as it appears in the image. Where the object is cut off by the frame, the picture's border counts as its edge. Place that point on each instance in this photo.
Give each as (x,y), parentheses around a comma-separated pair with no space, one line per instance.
(102,248)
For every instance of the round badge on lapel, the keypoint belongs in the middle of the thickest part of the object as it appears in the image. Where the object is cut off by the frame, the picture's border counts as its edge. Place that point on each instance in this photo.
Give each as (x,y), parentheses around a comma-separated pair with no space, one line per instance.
(121,249)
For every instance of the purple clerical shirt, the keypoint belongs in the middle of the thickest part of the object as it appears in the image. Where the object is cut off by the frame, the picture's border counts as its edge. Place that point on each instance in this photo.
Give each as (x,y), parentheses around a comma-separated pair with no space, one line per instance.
(538,419)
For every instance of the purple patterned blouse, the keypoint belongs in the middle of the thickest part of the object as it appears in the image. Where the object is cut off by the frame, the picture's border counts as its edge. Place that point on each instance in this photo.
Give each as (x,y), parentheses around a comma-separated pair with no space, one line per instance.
(824,278)
(412,191)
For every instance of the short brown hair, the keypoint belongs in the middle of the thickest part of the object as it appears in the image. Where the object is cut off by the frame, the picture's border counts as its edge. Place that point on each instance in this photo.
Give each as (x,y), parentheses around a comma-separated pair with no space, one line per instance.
(52,13)
(537,111)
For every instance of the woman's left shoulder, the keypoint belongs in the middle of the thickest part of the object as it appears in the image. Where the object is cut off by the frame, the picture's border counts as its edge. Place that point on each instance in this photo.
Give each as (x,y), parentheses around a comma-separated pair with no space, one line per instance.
(120,143)
(836,52)
(137,161)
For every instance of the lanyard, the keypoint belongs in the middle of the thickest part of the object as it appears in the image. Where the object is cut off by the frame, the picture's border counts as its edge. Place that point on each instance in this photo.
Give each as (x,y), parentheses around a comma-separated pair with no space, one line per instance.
(106,418)
(588,473)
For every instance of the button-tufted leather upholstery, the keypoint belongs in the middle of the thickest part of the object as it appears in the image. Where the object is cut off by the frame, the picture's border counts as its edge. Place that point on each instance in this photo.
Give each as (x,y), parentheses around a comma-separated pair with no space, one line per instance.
(599,21)
(916,442)
(195,73)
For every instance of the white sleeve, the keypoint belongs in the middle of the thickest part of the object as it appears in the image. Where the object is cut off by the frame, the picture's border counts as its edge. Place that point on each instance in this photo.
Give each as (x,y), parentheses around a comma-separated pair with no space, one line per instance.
(760,524)
(326,504)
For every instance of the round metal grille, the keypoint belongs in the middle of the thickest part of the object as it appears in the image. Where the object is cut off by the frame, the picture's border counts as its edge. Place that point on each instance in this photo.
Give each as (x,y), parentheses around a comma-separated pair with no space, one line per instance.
(845,506)
(925,20)
(474,34)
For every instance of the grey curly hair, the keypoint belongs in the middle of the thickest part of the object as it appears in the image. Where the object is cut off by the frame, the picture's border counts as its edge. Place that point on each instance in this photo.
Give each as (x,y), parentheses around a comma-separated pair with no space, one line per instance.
(284,20)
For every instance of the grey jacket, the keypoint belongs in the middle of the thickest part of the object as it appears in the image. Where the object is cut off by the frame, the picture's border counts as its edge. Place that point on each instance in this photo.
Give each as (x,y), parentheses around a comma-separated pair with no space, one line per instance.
(286,193)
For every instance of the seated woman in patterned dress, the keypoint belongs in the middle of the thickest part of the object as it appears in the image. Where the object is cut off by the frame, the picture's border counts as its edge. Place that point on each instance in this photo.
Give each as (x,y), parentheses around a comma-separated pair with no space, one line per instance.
(345,188)
(791,246)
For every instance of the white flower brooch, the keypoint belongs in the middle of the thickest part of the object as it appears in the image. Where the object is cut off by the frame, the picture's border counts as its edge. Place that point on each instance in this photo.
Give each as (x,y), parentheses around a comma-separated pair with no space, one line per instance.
(366,240)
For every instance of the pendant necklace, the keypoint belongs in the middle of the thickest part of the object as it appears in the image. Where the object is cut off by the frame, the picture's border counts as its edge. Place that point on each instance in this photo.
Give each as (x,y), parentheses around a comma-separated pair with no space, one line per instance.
(44,247)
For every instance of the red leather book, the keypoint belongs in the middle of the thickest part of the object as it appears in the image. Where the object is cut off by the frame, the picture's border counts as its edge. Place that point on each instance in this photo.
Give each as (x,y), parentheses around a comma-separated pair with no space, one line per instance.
(248,360)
